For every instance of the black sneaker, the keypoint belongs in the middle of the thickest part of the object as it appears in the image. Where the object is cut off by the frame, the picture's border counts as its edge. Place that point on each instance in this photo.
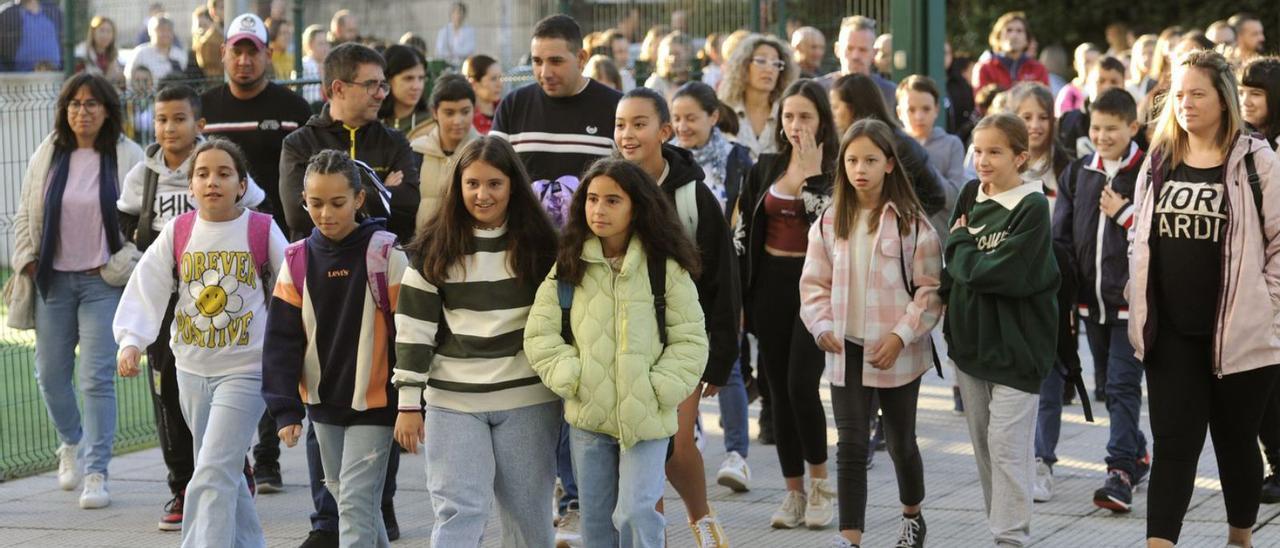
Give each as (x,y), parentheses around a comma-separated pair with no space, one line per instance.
(171,520)
(267,477)
(1143,468)
(1116,494)
(1271,488)
(389,520)
(911,532)
(320,538)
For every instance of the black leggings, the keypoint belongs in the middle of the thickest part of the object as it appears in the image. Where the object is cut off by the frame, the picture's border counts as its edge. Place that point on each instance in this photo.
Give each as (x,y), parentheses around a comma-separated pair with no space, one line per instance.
(851,405)
(794,366)
(1185,397)
(1269,433)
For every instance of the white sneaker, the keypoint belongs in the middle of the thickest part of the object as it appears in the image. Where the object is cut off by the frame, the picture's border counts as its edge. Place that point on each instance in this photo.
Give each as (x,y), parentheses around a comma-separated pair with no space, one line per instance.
(1042,487)
(820,510)
(791,514)
(734,473)
(68,467)
(95,492)
(708,533)
(567,535)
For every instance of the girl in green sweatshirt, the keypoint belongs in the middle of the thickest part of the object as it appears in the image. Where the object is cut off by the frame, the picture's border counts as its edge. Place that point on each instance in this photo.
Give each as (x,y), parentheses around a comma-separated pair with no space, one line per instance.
(1000,287)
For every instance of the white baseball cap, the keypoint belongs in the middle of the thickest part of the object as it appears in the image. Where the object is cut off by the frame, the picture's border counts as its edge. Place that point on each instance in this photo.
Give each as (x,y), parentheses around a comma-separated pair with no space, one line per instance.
(247,26)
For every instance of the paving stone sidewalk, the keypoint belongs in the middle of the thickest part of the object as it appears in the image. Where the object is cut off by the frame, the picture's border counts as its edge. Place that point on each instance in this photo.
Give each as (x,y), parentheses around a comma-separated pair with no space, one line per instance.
(33,512)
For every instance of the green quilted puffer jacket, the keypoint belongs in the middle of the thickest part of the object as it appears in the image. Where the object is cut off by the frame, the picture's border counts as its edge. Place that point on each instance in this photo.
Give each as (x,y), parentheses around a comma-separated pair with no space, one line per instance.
(617,378)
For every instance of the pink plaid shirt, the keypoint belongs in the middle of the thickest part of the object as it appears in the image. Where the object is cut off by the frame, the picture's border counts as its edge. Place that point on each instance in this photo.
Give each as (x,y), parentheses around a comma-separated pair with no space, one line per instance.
(889,308)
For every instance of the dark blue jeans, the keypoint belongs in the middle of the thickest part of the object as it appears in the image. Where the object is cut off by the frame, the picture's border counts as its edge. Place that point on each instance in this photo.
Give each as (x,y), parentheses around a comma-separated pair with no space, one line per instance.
(1109,344)
(325,516)
(1049,416)
(564,470)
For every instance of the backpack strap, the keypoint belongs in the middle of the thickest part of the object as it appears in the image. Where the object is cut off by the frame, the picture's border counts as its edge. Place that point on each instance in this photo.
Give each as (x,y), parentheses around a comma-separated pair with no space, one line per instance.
(295,255)
(182,226)
(1255,185)
(146,234)
(564,290)
(260,244)
(911,288)
(658,285)
(376,259)
(687,208)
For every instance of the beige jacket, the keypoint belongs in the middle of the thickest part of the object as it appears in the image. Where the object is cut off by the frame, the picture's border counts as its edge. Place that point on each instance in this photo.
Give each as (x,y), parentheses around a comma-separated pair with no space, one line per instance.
(436,170)
(28,223)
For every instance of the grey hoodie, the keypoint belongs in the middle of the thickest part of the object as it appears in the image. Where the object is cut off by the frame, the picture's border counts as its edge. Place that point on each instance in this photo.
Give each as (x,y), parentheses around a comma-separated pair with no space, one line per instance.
(173,197)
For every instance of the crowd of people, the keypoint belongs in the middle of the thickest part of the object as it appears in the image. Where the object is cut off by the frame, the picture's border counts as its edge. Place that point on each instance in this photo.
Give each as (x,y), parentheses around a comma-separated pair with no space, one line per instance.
(538,306)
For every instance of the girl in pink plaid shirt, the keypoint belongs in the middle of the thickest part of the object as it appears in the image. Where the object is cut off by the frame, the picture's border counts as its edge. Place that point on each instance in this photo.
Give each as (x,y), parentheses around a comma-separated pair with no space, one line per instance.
(872,321)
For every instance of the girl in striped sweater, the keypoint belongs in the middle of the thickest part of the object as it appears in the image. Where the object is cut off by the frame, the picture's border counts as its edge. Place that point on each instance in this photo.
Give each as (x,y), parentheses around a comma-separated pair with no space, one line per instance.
(493,425)
(328,334)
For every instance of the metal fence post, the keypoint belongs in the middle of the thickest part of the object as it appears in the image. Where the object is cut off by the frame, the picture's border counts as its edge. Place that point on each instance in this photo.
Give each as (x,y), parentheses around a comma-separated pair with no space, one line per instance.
(298,28)
(919,31)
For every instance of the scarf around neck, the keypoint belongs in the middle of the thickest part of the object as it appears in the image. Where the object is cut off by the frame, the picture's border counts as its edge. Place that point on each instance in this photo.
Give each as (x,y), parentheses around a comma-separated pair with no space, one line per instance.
(713,158)
(107,195)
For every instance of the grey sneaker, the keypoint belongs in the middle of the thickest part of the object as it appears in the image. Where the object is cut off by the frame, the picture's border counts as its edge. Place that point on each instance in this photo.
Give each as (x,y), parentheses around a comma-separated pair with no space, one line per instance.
(791,514)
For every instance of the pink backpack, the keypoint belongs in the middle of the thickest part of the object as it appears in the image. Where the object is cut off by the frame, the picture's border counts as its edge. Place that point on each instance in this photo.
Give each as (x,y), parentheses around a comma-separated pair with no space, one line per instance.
(376,258)
(259,241)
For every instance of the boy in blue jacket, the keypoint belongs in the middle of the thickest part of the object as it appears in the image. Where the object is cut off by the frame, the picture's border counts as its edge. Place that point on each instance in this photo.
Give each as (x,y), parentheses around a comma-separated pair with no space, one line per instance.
(1091,219)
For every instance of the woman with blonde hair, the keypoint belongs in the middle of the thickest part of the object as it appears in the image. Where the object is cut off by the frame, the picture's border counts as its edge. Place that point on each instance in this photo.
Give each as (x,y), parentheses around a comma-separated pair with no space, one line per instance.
(1202,275)
(755,75)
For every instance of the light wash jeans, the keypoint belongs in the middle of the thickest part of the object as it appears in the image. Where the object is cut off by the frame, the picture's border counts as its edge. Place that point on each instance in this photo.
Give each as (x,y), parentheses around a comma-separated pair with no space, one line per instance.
(355,469)
(78,311)
(473,458)
(223,414)
(1002,424)
(733,412)
(618,490)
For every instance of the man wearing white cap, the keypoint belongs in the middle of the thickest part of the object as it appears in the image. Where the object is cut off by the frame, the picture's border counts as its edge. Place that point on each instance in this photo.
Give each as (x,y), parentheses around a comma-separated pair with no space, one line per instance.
(256,114)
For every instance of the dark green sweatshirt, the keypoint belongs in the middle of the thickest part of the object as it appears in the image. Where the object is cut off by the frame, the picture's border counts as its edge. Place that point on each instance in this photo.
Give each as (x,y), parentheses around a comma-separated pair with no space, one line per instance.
(1000,285)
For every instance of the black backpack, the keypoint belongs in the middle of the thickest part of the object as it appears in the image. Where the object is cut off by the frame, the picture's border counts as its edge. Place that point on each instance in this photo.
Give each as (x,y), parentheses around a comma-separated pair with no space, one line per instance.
(657,284)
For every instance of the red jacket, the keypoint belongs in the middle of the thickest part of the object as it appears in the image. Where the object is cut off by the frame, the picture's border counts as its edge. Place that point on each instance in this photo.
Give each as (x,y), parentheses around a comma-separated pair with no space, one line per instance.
(995,69)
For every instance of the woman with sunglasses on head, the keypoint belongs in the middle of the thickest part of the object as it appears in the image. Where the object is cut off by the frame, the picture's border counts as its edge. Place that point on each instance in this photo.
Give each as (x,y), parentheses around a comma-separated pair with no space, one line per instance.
(754,76)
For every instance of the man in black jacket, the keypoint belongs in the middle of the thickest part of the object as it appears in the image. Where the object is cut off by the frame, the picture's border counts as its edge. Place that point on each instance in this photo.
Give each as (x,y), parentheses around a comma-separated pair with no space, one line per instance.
(356,85)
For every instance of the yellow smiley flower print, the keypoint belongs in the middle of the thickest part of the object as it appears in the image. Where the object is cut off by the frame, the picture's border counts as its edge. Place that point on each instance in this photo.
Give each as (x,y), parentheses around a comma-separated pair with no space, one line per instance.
(214,300)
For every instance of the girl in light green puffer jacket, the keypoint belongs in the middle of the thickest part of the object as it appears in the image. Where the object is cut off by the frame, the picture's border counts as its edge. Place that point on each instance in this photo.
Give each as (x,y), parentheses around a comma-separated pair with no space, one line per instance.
(620,382)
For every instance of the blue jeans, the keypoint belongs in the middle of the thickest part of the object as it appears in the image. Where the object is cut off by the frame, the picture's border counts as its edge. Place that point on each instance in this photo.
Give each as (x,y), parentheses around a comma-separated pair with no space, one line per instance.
(1049,416)
(1109,344)
(564,470)
(733,412)
(619,490)
(475,458)
(78,311)
(355,468)
(223,414)
(324,516)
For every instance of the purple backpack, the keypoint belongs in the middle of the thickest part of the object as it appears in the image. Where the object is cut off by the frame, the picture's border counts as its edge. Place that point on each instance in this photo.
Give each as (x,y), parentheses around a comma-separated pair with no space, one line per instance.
(259,242)
(556,197)
(376,258)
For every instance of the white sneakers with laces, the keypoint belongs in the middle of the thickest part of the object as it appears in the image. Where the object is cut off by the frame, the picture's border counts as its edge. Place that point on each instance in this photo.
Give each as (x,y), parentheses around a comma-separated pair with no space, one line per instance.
(734,473)
(95,492)
(708,533)
(791,514)
(820,510)
(68,467)
(1042,486)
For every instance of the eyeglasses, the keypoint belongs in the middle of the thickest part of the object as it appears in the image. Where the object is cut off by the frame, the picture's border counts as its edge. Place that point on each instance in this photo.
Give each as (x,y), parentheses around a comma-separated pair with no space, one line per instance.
(86,106)
(764,62)
(372,86)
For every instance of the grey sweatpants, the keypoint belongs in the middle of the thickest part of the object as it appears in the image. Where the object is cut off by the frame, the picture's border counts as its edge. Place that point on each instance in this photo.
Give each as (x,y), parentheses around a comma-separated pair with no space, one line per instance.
(1002,425)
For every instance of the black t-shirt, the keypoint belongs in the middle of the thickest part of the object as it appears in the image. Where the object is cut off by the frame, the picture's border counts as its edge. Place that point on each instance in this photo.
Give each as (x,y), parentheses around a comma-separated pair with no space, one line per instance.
(558,136)
(259,125)
(1186,238)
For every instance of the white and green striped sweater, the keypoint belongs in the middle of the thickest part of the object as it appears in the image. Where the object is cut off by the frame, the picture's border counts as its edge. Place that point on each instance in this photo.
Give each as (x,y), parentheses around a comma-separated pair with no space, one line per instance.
(473,361)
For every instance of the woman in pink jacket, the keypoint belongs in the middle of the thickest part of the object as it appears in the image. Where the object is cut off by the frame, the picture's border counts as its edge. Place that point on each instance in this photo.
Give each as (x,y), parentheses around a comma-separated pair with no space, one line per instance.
(869,296)
(1204,294)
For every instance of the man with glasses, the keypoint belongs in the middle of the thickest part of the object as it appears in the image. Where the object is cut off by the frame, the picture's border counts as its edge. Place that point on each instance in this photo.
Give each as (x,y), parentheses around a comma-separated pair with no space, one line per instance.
(856,51)
(355,85)
(255,114)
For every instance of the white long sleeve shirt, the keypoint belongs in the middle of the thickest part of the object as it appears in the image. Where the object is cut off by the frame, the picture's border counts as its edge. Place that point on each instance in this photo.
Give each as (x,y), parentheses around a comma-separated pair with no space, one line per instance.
(220,320)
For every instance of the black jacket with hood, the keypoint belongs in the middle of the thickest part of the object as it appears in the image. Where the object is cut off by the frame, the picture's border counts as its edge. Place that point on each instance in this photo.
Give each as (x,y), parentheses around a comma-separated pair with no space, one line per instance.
(383,149)
(718,291)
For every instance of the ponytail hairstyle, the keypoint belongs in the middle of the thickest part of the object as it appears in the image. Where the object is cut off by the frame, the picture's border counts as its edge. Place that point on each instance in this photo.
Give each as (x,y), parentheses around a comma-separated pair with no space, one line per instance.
(1014,130)
(1264,73)
(330,162)
(706,98)
(653,221)
(237,159)
(446,239)
(896,188)
(1170,138)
